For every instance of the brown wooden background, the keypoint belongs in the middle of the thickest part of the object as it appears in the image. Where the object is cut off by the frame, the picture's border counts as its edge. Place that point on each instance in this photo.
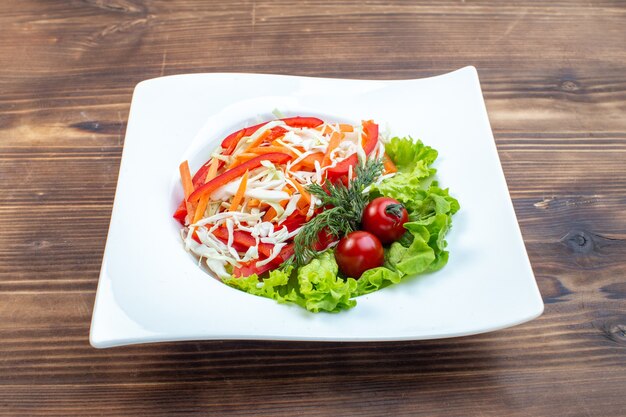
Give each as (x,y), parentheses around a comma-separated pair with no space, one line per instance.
(554,78)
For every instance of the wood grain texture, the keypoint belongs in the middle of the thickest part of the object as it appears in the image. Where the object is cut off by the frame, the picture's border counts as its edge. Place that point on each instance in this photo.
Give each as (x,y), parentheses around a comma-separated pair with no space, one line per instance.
(554,80)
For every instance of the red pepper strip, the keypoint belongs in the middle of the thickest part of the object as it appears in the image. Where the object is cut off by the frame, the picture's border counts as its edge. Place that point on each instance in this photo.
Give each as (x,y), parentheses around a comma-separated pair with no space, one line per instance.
(284,254)
(250,268)
(242,241)
(201,173)
(300,121)
(200,176)
(230,142)
(181,213)
(370,129)
(292,222)
(275,133)
(323,240)
(238,171)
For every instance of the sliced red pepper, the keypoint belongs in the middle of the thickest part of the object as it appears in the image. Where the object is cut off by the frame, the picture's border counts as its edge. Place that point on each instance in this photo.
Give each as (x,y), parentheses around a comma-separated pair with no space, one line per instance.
(181,213)
(200,176)
(201,173)
(293,222)
(230,142)
(323,240)
(370,130)
(275,133)
(233,141)
(250,268)
(242,241)
(300,121)
(238,171)
(286,253)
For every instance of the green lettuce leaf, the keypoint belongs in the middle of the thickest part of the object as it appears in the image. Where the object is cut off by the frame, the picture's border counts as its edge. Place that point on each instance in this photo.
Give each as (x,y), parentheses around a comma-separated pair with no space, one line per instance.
(406,187)
(316,286)
(275,286)
(413,185)
(430,208)
(437,227)
(431,201)
(375,279)
(417,257)
(406,153)
(320,287)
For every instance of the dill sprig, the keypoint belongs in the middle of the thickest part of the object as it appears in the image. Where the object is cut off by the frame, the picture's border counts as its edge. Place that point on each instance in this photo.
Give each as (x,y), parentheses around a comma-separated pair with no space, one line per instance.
(344,214)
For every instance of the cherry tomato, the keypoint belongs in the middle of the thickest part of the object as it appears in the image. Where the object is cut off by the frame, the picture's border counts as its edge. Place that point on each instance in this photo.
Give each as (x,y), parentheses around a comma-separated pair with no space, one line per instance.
(385,218)
(357,252)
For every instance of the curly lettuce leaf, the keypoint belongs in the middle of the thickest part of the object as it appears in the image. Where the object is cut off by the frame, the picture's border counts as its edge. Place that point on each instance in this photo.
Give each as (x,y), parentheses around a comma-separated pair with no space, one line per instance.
(275,286)
(406,153)
(375,279)
(416,258)
(430,208)
(431,201)
(318,285)
(406,186)
(315,286)
(321,289)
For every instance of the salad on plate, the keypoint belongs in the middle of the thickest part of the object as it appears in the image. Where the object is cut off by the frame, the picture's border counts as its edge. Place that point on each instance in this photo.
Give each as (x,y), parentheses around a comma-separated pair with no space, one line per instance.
(316,213)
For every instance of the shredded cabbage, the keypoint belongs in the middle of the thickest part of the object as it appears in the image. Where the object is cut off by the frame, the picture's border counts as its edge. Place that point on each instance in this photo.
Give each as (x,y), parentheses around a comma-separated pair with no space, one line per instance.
(319,286)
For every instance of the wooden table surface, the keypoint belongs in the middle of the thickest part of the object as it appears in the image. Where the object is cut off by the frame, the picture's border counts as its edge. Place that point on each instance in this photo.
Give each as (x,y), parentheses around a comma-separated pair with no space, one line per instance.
(554,80)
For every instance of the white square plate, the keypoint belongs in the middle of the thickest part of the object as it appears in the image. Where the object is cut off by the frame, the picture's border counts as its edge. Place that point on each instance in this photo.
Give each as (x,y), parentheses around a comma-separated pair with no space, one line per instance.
(151,290)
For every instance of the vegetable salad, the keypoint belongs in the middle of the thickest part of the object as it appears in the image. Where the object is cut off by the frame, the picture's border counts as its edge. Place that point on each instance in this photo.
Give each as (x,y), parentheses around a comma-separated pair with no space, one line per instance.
(293,209)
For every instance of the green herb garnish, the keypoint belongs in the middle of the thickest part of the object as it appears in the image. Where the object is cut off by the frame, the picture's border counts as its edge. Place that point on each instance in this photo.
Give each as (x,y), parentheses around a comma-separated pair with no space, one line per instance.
(348,203)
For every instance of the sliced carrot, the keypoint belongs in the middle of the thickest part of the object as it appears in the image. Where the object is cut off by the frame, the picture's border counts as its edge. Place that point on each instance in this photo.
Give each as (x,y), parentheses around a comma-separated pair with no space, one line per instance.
(269,214)
(304,193)
(253,202)
(335,140)
(279,142)
(260,150)
(303,209)
(302,206)
(185,176)
(246,156)
(213,168)
(241,158)
(390,167)
(309,162)
(204,200)
(326,130)
(234,205)
(345,128)
(260,139)
(288,190)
